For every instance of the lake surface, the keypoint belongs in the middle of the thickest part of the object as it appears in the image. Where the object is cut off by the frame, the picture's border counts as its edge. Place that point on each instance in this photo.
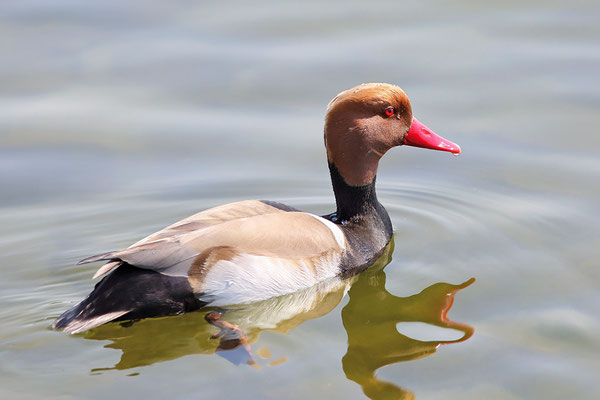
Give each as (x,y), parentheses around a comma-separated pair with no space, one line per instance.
(117,120)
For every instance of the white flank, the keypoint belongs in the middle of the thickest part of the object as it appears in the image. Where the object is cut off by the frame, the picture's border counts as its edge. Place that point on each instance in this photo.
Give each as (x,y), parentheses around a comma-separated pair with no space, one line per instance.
(249,278)
(336,230)
(278,313)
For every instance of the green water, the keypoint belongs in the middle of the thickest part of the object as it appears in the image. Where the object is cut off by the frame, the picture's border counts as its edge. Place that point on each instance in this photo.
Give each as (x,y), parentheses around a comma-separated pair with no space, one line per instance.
(119,119)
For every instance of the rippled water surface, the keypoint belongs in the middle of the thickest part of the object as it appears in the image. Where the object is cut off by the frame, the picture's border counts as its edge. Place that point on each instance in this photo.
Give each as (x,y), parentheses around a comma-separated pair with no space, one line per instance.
(117,119)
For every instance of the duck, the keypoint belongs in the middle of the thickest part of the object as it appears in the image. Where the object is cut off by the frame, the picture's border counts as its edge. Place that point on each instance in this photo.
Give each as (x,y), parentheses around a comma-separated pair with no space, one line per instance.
(253,250)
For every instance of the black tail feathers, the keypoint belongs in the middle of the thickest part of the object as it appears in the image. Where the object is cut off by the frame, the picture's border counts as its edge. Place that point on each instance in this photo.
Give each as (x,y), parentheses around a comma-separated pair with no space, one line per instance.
(129,293)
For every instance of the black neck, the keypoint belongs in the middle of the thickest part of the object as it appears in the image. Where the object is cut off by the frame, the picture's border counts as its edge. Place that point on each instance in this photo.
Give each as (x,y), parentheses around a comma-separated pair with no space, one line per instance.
(352,201)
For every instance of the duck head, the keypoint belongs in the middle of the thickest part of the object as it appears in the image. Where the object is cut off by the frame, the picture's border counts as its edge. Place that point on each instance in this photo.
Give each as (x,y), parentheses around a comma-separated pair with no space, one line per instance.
(364,122)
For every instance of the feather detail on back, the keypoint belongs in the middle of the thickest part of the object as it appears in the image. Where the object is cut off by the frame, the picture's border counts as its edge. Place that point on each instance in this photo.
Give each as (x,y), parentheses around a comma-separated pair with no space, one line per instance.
(198,221)
(248,229)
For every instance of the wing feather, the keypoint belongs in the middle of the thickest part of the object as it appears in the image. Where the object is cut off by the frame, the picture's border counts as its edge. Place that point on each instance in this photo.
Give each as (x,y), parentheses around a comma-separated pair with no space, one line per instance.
(246,227)
(193,223)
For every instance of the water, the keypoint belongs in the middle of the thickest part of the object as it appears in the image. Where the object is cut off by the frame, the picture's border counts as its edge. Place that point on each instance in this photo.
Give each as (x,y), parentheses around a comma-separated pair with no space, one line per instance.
(117,120)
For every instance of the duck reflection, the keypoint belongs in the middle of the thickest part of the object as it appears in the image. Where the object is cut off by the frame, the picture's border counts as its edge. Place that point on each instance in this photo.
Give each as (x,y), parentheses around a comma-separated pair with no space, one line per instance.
(370,320)
(227,331)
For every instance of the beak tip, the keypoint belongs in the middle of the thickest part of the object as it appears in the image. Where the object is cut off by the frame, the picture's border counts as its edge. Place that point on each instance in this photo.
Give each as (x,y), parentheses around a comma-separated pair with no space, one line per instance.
(452,148)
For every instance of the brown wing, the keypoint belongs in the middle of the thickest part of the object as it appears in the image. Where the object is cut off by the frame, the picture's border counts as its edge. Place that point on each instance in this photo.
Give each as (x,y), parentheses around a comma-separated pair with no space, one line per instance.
(250,227)
(288,235)
(196,222)
(214,216)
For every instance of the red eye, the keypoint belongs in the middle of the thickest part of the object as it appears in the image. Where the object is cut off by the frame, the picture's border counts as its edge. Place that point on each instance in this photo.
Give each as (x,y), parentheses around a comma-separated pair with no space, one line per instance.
(389,111)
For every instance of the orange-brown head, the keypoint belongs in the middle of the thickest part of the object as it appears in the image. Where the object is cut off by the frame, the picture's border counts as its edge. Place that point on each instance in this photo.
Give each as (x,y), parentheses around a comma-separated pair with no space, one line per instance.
(364,122)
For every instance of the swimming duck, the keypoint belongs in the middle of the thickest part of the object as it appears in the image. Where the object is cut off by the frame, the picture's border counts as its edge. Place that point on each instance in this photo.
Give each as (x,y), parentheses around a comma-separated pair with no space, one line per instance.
(253,250)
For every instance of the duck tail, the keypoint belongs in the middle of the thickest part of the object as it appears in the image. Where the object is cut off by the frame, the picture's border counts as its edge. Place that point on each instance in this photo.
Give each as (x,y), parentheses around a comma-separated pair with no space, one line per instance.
(129,293)
(73,322)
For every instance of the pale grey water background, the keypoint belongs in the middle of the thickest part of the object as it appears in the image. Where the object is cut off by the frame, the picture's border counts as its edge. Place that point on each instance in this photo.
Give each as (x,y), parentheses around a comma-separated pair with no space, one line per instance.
(116,120)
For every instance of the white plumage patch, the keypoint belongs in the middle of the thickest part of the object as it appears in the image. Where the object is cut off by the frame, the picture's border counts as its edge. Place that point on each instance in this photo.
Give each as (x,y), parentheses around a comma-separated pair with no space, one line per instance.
(77,326)
(336,230)
(281,313)
(249,278)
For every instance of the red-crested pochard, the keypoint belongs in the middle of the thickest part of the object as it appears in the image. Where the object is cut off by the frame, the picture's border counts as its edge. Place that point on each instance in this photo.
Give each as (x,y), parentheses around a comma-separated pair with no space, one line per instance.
(256,249)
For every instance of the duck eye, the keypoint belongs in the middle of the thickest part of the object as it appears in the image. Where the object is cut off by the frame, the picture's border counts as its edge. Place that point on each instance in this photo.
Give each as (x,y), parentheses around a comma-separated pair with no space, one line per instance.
(389,111)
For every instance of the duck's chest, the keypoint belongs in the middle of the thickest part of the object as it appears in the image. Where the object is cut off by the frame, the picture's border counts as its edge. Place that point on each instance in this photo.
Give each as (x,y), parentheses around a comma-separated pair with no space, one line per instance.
(366,240)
